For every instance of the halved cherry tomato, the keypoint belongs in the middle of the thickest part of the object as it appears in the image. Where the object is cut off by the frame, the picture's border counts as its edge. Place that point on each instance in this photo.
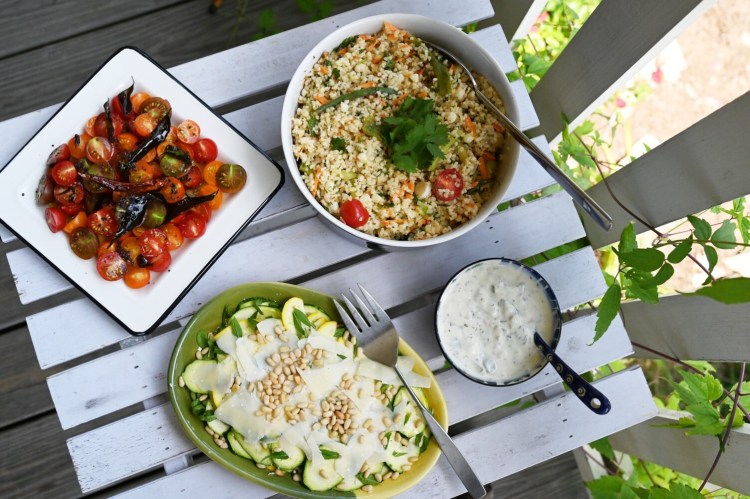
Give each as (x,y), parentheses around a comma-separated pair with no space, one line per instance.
(156,107)
(188,132)
(64,173)
(142,171)
(71,209)
(354,213)
(55,219)
(137,277)
(145,124)
(130,249)
(84,242)
(193,178)
(207,189)
(230,178)
(60,153)
(106,247)
(155,214)
(80,220)
(204,211)
(127,142)
(174,190)
(153,243)
(77,148)
(111,266)
(161,262)
(448,185)
(104,222)
(192,226)
(174,236)
(99,150)
(205,150)
(45,190)
(138,231)
(72,194)
(137,99)
(100,126)
(209,171)
(188,148)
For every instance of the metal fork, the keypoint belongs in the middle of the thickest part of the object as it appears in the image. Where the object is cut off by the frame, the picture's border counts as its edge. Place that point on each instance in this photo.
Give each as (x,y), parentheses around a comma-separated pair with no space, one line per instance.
(378,339)
(583,200)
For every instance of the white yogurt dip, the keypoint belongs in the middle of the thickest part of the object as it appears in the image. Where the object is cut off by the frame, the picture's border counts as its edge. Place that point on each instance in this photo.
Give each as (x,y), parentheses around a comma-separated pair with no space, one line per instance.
(486,321)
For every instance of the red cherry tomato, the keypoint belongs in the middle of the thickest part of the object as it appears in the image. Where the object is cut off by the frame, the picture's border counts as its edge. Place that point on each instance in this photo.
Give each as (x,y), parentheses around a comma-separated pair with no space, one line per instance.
(188,132)
(193,178)
(192,226)
(99,150)
(205,150)
(77,147)
(111,266)
(55,218)
(103,222)
(72,194)
(154,242)
(64,173)
(204,210)
(353,213)
(448,185)
(161,262)
(100,125)
(71,209)
(60,153)
(174,236)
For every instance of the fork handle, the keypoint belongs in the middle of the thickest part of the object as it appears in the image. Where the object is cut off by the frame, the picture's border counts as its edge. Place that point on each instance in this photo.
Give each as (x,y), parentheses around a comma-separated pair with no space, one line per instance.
(452,454)
(580,196)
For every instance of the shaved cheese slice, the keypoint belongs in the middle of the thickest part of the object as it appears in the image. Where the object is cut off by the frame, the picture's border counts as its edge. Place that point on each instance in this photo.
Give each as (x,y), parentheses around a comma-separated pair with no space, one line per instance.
(238,411)
(294,436)
(361,393)
(227,342)
(245,350)
(323,380)
(376,370)
(266,326)
(212,376)
(328,344)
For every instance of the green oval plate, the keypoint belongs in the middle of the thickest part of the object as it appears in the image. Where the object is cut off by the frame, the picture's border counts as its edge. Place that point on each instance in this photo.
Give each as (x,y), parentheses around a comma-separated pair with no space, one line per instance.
(206,319)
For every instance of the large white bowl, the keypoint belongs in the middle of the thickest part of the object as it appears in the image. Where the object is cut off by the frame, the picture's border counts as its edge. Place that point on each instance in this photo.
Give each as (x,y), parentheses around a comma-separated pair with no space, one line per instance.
(444,35)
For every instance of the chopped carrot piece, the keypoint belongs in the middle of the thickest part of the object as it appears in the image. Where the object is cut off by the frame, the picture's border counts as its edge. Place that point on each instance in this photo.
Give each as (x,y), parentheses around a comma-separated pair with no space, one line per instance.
(80,220)
(316,180)
(488,156)
(498,127)
(469,125)
(483,169)
(323,70)
(398,100)
(368,84)
(322,99)
(389,27)
(377,59)
(365,37)
(422,95)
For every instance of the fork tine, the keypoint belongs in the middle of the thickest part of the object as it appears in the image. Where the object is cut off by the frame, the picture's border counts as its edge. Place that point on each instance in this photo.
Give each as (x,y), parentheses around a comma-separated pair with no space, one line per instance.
(363,308)
(378,310)
(348,322)
(354,313)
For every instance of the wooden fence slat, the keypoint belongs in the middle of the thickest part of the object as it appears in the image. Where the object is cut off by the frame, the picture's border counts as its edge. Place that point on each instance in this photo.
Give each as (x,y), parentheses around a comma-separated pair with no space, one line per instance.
(690,328)
(88,391)
(52,330)
(611,46)
(700,167)
(690,454)
(516,16)
(493,450)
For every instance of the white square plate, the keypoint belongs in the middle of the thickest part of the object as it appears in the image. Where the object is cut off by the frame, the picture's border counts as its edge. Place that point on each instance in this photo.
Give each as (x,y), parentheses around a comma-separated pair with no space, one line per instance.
(137,310)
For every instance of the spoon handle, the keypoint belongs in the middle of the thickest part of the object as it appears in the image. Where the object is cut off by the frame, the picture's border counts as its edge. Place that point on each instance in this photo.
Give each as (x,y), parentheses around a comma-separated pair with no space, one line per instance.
(583,200)
(450,451)
(590,396)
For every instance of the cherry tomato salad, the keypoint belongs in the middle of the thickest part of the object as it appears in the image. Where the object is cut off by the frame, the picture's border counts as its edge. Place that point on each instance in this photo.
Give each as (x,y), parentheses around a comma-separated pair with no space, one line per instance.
(131,187)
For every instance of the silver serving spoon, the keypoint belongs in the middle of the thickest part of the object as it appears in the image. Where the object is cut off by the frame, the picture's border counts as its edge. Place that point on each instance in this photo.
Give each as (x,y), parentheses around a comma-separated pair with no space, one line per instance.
(583,200)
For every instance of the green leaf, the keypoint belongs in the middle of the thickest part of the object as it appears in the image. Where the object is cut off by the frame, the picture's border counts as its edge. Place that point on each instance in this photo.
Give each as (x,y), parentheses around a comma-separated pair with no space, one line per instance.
(338,144)
(585,128)
(663,275)
(226,314)
(367,480)
(536,65)
(701,228)
(723,237)
(680,251)
(682,491)
(329,454)
(279,455)
(398,454)
(266,20)
(339,332)
(236,328)
(646,259)
(603,447)
(202,339)
(301,323)
(627,239)
(608,309)
(647,294)
(729,291)
(712,256)
(606,487)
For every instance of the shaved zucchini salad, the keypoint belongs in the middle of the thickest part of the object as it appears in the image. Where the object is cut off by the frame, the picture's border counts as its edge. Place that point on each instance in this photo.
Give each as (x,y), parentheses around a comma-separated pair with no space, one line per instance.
(287,388)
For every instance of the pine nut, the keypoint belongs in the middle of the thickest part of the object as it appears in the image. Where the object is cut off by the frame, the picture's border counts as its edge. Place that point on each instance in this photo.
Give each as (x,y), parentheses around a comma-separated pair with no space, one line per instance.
(367,488)
(202,398)
(181,381)
(204,351)
(379,477)
(260,465)
(395,475)
(198,355)
(296,477)
(323,473)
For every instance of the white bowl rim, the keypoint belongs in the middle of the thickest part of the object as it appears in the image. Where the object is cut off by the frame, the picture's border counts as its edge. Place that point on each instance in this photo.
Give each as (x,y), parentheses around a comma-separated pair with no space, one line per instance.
(290,105)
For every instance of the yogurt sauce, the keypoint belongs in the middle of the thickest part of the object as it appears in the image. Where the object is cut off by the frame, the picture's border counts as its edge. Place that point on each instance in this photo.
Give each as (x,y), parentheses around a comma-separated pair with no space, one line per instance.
(486,321)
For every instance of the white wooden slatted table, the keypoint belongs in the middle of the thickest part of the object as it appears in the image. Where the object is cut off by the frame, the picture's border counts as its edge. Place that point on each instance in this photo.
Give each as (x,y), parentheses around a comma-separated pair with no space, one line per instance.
(130,381)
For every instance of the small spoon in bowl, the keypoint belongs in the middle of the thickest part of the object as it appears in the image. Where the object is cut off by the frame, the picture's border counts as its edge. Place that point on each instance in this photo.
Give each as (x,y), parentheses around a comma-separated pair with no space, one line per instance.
(583,200)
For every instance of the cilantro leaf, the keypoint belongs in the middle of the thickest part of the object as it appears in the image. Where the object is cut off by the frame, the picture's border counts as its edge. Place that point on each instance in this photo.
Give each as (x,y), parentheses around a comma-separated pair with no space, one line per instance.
(329,454)
(301,323)
(338,144)
(367,480)
(236,328)
(279,455)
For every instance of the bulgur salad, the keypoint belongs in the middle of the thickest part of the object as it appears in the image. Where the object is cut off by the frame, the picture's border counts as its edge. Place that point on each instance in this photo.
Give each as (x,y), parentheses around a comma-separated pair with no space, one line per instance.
(390,137)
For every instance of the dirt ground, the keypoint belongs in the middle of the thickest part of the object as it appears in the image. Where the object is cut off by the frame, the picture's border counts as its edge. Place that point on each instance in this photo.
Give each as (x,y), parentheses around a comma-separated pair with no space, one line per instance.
(705,68)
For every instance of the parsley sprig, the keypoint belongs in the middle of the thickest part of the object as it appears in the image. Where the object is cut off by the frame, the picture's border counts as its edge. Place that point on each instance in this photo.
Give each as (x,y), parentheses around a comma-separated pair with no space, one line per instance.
(413,135)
